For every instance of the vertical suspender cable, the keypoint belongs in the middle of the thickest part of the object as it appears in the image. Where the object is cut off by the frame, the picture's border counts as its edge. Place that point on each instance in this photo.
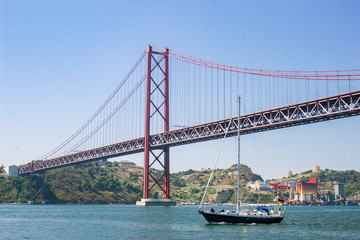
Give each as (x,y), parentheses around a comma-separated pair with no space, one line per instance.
(253,93)
(258,94)
(224,82)
(245,90)
(349,84)
(230,90)
(206,103)
(338,82)
(237,84)
(211,95)
(218,94)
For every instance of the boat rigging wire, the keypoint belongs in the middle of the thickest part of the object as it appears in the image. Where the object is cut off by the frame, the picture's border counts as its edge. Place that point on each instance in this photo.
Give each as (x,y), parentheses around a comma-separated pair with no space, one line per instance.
(218,156)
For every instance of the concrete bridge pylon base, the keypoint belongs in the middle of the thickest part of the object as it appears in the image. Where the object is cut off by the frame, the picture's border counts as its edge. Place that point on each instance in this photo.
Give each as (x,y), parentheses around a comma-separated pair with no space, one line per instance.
(155,202)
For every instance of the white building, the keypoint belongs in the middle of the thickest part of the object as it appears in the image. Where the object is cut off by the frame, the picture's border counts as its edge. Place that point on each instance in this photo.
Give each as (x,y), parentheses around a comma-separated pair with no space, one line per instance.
(12,171)
(251,185)
(339,190)
(292,183)
(259,186)
(263,186)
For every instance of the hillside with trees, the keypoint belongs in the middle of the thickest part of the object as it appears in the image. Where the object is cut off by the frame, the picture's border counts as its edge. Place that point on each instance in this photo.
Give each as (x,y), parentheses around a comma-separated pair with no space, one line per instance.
(122,184)
(119,184)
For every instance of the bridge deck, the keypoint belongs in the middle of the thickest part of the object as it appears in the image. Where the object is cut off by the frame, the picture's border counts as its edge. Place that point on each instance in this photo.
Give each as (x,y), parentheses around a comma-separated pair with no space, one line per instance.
(339,106)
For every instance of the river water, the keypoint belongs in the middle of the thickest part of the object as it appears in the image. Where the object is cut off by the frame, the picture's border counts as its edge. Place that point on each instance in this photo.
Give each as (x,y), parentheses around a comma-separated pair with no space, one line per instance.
(180,222)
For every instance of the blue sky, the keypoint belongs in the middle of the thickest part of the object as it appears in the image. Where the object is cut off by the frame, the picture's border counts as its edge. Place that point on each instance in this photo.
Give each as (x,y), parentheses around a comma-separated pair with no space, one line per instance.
(59,61)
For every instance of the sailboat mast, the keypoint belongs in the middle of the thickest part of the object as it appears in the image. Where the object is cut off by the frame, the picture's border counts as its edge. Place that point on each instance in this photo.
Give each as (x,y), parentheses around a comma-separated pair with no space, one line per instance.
(238,179)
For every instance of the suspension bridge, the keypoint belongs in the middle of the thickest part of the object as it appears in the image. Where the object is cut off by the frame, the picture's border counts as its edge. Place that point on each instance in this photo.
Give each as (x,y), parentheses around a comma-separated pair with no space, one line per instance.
(169,99)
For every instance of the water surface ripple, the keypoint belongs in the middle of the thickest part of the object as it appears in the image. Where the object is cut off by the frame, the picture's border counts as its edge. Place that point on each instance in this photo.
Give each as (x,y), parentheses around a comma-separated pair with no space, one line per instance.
(181,222)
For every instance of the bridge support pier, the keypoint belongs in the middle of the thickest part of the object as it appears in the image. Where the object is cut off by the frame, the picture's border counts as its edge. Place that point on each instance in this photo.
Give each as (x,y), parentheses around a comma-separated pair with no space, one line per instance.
(37,185)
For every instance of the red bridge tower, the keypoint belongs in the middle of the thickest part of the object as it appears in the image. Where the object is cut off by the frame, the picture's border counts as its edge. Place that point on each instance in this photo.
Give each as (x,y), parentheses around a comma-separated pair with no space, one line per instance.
(156,85)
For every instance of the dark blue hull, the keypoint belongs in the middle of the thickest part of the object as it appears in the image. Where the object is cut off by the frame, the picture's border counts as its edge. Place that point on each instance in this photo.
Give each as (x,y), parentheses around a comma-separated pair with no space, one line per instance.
(213,217)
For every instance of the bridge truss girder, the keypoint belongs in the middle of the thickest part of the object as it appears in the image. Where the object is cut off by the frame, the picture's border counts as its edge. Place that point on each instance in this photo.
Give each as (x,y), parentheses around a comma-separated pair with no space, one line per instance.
(334,107)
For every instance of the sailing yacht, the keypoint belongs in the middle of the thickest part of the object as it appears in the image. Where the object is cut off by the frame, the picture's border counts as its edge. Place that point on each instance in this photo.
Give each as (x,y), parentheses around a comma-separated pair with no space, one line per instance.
(243,213)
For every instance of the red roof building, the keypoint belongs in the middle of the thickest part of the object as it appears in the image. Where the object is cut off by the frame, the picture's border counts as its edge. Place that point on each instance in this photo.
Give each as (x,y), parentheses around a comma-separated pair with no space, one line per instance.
(279,186)
(313,180)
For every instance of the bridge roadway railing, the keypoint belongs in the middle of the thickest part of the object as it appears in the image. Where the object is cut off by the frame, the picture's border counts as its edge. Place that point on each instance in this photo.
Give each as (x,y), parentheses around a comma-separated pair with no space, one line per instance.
(339,106)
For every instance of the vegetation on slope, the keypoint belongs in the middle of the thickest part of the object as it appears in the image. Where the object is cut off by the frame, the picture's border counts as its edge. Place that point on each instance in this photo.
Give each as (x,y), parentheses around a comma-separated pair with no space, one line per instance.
(190,185)
(122,184)
(86,183)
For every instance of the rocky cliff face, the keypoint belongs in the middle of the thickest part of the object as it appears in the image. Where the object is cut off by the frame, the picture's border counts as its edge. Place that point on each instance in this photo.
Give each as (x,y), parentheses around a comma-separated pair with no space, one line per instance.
(226,181)
(221,196)
(229,176)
